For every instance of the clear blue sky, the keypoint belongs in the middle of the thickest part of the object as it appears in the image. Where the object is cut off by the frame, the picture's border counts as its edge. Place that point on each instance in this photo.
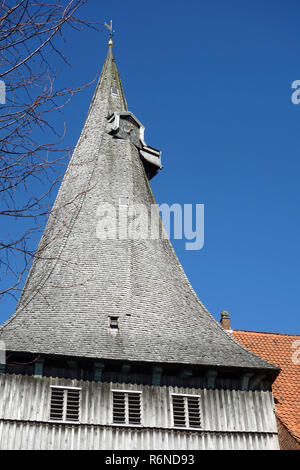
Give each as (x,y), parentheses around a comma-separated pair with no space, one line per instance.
(211,81)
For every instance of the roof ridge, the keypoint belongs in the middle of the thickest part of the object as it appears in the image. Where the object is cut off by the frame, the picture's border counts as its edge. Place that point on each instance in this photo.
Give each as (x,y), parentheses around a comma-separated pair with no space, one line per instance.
(266,332)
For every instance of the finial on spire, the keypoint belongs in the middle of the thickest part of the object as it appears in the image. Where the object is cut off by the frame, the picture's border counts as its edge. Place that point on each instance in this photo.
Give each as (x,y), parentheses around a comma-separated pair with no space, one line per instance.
(111,33)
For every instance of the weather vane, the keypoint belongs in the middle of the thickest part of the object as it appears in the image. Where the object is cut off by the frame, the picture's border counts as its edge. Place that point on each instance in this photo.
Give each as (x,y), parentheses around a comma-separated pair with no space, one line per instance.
(111,33)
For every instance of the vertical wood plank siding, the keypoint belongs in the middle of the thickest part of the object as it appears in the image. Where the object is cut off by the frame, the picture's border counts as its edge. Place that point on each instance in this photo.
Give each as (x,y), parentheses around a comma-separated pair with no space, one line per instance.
(230,419)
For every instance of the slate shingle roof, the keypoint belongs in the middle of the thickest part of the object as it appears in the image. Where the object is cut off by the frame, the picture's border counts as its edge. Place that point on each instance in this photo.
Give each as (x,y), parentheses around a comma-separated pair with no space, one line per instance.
(282,350)
(77,281)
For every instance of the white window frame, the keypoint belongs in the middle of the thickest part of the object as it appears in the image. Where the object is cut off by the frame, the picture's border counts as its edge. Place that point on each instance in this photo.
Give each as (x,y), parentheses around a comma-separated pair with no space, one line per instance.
(126,392)
(65,400)
(186,396)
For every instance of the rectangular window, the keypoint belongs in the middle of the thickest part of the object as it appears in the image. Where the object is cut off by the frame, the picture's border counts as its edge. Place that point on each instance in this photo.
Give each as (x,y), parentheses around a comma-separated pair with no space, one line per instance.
(127,407)
(186,411)
(65,404)
(114,90)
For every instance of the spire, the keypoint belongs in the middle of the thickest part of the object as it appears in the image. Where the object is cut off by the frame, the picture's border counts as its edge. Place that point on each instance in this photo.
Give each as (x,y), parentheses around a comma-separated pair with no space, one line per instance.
(80,285)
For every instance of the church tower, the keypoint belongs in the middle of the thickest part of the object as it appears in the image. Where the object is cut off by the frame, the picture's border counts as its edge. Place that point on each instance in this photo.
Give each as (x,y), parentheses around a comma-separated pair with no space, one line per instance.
(109,347)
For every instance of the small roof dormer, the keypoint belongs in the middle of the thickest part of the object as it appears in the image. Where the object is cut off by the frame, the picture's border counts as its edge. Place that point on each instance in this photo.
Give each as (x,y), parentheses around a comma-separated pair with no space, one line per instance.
(125,125)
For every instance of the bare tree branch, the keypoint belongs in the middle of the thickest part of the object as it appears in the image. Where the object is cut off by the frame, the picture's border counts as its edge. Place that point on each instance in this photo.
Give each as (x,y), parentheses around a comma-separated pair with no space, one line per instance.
(31,35)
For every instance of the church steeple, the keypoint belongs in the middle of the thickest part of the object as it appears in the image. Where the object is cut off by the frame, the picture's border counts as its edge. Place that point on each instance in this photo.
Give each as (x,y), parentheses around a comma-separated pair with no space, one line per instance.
(113,299)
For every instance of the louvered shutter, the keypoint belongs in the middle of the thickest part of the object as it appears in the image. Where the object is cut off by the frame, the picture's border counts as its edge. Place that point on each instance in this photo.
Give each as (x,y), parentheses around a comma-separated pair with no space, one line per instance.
(119,407)
(134,408)
(194,412)
(179,411)
(73,401)
(186,411)
(127,408)
(57,404)
(65,404)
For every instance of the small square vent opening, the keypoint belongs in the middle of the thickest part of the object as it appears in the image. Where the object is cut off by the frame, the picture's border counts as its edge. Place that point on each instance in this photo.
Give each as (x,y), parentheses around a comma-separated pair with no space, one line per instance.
(114,323)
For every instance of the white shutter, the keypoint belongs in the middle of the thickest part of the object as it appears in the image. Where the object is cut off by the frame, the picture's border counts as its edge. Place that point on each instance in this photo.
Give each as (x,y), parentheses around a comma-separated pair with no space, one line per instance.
(119,408)
(57,404)
(73,402)
(179,413)
(186,411)
(193,412)
(65,404)
(134,408)
(126,408)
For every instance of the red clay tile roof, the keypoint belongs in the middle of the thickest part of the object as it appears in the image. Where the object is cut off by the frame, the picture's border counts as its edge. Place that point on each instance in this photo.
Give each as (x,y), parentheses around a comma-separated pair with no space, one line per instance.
(283,351)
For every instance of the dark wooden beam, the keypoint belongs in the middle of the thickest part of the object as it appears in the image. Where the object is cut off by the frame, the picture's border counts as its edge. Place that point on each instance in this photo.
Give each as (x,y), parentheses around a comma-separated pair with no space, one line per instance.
(211,376)
(72,364)
(125,368)
(98,371)
(185,373)
(156,375)
(255,381)
(39,367)
(245,380)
